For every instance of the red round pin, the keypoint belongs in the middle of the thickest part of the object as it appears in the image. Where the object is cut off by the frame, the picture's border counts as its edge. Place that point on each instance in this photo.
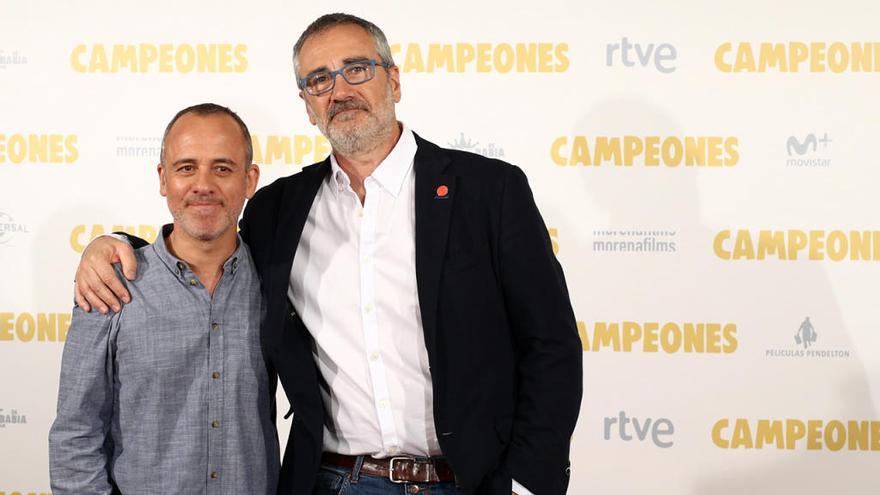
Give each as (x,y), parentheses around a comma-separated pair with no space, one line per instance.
(442,191)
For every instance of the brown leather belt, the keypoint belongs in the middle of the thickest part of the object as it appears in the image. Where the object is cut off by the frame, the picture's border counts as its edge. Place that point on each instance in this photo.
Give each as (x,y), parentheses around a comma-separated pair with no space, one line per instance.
(399,469)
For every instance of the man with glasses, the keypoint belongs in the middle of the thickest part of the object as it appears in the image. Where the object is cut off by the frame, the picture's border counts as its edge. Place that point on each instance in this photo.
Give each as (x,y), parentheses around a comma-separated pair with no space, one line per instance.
(416,315)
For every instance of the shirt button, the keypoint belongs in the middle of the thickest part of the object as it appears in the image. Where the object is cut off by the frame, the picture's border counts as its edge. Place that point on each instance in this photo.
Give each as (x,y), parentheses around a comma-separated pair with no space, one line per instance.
(368,308)
(360,214)
(374,356)
(215,424)
(383,403)
(215,326)
(214,475)
(192,282)
(215,375)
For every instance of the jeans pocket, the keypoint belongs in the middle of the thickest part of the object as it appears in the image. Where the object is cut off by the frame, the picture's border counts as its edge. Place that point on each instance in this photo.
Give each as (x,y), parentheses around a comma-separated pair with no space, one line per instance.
(330,482)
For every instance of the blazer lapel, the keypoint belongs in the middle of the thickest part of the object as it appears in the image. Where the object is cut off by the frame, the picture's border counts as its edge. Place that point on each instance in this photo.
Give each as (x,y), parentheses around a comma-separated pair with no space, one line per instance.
(295,204)
(435,194)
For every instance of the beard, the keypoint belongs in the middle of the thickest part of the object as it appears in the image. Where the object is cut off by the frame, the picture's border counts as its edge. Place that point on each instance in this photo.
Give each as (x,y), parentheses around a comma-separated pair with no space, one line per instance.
(203,227)
(349,138)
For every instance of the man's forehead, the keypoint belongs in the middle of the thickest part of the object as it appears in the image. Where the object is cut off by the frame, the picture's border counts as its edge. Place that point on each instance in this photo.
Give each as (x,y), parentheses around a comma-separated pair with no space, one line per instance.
(194,121)
(200,130)
(334,44)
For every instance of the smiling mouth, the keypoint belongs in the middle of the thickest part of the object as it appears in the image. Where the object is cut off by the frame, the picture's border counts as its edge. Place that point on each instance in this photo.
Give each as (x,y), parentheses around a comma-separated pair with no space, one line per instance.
(204,206)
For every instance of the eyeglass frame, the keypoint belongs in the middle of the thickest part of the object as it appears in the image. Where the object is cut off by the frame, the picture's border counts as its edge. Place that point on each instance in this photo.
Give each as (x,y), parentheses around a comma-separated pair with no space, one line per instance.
(340,72)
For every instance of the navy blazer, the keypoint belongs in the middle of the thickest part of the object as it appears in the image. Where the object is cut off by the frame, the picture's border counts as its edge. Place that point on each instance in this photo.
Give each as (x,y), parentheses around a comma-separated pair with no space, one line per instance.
(503,347)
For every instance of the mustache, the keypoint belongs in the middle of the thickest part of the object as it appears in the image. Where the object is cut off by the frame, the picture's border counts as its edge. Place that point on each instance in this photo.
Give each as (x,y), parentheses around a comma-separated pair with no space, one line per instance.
(203,200)
(346,105)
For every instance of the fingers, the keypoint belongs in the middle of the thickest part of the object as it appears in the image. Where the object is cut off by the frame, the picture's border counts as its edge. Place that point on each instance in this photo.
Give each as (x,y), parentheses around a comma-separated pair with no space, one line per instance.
(110,286)
(97,285)
(129,264)
(96,292)
(80,299)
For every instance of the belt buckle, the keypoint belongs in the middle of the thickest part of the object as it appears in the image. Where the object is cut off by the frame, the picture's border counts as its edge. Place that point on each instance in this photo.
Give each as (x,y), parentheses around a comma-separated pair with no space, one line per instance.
(391,466)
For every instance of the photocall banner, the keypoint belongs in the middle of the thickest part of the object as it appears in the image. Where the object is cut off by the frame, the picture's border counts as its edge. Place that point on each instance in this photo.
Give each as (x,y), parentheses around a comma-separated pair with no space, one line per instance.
(707,173)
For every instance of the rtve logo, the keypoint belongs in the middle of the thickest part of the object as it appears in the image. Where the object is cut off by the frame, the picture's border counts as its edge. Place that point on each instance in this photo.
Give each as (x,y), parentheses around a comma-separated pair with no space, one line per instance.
(162,58)
(653,337)
(791,434)
(814,245)
(796,56)
(38,148)
(482,57)
(296,149)
(649,151)
(663,55)
(660,427)
(81,235)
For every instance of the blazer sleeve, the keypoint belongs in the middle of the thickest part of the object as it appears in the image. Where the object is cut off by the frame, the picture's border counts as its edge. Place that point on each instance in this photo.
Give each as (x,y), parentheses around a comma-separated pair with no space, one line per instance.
(550,357)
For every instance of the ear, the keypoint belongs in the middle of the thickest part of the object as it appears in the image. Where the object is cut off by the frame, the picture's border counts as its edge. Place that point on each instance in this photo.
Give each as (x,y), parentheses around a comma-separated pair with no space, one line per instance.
(302,96)
(311,114)
(163,189)
(253,177)
(394,80)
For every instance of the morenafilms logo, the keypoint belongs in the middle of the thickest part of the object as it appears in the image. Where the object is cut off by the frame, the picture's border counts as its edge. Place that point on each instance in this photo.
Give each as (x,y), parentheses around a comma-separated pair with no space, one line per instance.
(810,150)
(11,418)
(487,149)
(635,240)
(139,147)
(10,230)
(805,344)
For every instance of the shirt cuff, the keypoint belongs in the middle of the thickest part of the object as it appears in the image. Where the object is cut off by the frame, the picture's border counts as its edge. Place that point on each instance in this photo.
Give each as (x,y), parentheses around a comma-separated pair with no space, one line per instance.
(519,489)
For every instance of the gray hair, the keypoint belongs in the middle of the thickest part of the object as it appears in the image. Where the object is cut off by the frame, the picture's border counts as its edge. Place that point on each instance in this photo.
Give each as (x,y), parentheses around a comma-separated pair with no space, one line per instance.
(203,110)
(328,21)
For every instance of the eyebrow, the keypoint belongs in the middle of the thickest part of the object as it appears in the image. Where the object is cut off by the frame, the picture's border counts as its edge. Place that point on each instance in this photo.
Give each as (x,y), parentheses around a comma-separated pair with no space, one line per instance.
(189,161)
(345,61)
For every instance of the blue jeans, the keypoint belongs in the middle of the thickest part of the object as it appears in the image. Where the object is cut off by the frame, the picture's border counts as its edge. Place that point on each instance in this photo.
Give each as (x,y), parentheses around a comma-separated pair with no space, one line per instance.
(335,480)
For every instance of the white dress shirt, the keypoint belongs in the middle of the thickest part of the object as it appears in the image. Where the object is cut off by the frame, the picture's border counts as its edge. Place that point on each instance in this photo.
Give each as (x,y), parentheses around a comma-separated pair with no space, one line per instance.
(353,283)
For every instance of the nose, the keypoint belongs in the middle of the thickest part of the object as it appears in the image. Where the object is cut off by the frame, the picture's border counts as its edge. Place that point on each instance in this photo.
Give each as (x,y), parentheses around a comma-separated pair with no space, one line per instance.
(204,181)
(341,89)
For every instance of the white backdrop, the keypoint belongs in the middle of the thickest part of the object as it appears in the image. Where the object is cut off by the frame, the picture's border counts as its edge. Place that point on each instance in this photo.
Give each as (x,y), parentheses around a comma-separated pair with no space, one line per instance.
(692,311)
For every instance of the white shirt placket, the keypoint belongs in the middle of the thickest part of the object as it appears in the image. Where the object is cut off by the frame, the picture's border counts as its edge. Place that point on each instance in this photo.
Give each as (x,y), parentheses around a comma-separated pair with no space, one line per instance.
(367,249)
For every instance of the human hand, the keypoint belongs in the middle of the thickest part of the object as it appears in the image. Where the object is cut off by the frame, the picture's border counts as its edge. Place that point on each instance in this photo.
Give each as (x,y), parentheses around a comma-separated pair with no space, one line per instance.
(96,284)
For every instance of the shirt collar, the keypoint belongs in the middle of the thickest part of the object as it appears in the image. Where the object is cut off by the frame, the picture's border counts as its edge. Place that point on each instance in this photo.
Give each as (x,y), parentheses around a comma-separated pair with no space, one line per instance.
(180,268)
(390,173)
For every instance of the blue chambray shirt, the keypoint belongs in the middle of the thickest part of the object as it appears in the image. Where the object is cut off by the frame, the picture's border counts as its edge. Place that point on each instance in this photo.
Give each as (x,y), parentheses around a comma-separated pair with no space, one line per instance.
(170,395)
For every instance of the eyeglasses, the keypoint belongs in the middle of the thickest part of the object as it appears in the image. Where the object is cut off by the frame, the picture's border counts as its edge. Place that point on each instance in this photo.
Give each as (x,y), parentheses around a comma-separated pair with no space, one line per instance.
(318,83)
